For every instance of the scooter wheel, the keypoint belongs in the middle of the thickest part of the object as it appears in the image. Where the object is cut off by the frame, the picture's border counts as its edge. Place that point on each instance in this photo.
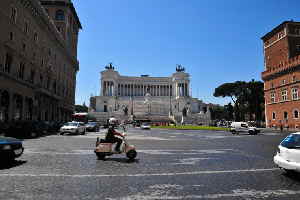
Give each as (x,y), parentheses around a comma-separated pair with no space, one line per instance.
(100,156)
(131,154)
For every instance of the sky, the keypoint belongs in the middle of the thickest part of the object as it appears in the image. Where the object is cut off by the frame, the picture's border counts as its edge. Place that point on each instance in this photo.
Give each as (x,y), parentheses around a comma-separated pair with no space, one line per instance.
(217,41)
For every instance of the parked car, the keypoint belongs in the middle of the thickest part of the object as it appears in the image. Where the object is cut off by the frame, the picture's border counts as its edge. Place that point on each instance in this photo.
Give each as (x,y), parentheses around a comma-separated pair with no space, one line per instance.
(4,126)
(288,153)
(10,148)
(73,128)
(92,126)
(24,129)
(237,127)
(145,126)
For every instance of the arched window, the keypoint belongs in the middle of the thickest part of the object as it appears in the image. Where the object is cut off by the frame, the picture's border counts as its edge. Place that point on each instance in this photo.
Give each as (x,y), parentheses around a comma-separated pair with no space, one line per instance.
(60,15)
(285,115)
(296,114)
(273,115)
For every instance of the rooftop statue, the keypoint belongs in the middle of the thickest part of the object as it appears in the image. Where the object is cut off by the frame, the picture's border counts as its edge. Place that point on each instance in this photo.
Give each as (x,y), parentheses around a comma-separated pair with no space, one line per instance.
(110,66)
(180,68)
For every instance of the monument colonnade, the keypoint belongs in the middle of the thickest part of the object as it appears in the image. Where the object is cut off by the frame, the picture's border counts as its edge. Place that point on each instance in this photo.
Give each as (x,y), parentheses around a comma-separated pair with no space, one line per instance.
(111,88)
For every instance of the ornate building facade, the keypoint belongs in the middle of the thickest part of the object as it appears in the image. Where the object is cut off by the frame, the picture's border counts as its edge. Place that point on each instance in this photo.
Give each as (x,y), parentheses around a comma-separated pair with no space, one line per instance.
(38,59)
(282,75)
(145,97)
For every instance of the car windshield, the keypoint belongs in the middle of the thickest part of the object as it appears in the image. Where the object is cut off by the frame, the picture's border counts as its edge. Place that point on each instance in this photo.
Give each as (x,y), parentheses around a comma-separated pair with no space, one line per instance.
(145,124)
(291,141)
(92,123)
(71,124)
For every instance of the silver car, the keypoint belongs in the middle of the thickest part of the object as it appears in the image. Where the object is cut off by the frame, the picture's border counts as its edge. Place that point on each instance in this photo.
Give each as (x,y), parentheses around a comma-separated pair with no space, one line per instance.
(73,128)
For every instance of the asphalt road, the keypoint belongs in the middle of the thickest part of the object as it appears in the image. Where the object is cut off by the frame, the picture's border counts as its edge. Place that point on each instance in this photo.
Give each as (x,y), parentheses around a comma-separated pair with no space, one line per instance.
(169,165)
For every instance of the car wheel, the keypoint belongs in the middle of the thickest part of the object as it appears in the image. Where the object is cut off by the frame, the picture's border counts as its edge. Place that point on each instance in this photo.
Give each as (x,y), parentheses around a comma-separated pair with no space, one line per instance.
(33,134)
(233,132)
(100,156)
(83,133)
(131,154)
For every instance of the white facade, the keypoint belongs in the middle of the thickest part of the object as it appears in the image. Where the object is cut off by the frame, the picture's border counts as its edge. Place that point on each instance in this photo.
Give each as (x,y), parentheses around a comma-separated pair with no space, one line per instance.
(147,97)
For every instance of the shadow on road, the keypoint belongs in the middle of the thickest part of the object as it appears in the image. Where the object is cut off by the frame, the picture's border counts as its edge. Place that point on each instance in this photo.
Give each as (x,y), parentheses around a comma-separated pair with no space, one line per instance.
(122,160)
(11,164)
(292,175)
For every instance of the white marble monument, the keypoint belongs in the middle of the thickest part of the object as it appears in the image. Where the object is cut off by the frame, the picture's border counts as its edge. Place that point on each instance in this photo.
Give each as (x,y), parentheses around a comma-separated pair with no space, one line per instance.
(159,99)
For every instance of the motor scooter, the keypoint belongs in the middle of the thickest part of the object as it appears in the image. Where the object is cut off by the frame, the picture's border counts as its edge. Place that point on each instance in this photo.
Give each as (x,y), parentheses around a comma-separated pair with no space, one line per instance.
(104,149)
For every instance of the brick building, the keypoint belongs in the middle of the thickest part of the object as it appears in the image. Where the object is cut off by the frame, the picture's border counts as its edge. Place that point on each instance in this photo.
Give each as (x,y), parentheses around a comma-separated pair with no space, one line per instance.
(282,75)
(38,59)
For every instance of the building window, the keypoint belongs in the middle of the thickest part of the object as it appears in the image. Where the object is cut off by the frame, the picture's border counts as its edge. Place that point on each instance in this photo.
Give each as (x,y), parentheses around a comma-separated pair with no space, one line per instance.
(284,95)
(24,47)
(285,115)
(294,79)
(32,75)
(35,37)
(297,31)
(11,36)
(283,82)
(296,114)
(41,80)
(60,15)
(273,115)
(280,35)
(295,93)
(298,47)
(21,70)
(48,83)
(13,15)
(26,27)
(8,63)
(273,97)
(272,85)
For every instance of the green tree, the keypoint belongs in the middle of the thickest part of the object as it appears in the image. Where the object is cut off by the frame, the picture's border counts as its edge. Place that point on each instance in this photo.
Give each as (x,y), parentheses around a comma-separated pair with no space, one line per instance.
(248,98)
(81,108)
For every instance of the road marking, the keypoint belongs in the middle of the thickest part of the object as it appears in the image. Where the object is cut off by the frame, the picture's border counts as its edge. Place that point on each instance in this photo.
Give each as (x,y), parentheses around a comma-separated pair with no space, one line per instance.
(137,175)
(151,152)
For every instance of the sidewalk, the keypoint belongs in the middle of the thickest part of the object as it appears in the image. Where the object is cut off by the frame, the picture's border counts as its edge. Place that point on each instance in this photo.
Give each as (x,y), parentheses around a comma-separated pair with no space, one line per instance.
(272,130)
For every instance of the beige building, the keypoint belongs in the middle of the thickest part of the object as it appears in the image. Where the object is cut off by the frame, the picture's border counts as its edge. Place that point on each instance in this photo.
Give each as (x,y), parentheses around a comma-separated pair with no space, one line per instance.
(38,59)
(146,97)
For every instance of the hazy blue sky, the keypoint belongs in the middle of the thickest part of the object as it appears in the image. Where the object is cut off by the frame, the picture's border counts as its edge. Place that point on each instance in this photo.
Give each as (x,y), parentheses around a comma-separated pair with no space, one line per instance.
(216,40)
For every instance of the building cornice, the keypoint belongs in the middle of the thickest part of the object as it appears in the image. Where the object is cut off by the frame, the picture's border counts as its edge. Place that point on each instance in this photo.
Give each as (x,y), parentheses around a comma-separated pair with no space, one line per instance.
(289,66)
(61,3)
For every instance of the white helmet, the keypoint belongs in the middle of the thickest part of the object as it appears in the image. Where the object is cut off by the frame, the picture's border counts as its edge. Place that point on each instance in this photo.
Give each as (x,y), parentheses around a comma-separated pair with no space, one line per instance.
(112,121)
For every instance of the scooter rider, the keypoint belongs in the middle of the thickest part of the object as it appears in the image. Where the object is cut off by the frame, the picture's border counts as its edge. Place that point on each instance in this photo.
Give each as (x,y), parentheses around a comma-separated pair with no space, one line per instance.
(111,134)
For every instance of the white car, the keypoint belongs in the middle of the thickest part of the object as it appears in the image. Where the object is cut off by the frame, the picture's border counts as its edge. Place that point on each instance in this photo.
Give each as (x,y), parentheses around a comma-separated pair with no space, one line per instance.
(237,127)
(73,127)
(145,126)
(288,153)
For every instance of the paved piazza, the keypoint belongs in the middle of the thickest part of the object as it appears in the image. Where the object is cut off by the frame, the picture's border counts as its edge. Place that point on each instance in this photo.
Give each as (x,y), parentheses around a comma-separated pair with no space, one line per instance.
(170,165)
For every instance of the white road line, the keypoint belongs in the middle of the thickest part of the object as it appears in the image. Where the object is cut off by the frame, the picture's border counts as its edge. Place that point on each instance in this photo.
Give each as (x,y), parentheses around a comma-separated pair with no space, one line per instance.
(137,175)
(151,152)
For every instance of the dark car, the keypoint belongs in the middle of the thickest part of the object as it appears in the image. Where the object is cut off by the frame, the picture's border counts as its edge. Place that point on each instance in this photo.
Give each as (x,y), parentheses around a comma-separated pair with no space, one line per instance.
(10,148)
(92,126)
(26,129)
(4,126)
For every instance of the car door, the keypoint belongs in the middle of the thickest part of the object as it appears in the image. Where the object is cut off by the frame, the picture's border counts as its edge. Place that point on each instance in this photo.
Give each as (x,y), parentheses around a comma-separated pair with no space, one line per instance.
(244,127)
(291,150)
(82,127)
